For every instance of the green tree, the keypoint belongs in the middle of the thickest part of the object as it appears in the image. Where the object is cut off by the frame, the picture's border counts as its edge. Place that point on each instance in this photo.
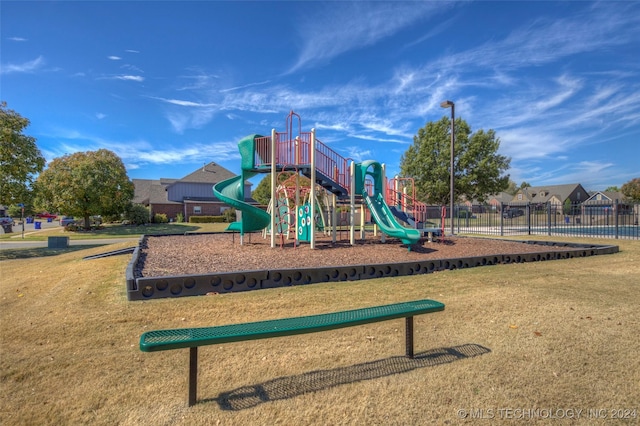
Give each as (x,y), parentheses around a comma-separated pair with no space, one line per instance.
(525,184)
(262,193)
(20,158)
(478,168)
(567,206)
(612,189)
(85,184)
(631,190)
(512,188)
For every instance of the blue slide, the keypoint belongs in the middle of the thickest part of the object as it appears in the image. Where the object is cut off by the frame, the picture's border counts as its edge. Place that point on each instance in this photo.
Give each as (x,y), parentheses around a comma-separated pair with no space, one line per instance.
(380,211)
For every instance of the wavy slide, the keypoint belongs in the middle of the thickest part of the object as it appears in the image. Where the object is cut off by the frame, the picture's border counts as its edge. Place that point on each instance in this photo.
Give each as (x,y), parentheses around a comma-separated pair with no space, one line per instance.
(231,191)
(380,211)
(387,222)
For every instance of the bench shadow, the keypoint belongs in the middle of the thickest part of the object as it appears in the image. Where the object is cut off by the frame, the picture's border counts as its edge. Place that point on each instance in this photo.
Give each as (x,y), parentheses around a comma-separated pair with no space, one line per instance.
(292,386)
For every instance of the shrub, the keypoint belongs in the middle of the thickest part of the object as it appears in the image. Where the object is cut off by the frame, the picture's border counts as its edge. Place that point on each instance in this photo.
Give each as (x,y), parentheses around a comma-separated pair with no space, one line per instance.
(179,218)
(72,227)
(112,218)
(137,214)
(206,219)
(160,218)
(229,215)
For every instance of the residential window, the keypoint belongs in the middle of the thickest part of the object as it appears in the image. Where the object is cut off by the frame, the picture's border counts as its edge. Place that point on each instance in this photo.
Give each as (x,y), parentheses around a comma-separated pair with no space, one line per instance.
(197,209)
(520,197)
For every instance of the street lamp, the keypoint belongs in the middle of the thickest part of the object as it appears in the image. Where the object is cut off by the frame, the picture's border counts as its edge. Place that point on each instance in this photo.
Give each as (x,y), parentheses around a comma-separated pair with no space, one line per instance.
(450,104)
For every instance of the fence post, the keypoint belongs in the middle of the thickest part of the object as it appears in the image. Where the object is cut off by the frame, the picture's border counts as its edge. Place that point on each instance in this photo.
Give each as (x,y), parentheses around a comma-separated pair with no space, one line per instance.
(528,211)
(616,211)
(549,218)
(501,219)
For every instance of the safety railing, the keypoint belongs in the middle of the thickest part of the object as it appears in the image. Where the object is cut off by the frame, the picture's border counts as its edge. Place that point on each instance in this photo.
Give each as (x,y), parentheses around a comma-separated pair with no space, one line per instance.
(295,152)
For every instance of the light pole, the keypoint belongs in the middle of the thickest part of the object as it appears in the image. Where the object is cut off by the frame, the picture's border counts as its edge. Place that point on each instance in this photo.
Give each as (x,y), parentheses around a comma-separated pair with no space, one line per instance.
(450,104)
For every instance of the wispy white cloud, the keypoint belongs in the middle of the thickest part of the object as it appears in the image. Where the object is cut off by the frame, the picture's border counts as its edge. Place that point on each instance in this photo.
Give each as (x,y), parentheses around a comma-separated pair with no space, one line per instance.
(356,153)
(138,153)
(185,103)
(114,58)
(25,67)
(355,25)
(131,68)
(592,175)
(18,39)
(231,89)
(196,119)
(101,116)
(132,51)
(137,78)
(546,41)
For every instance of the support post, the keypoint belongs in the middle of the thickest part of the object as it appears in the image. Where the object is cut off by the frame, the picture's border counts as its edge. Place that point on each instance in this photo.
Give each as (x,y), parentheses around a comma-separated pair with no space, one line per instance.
(193,375)
(312,192)
(616,212)
(383,171)
(409,336)
(274,183)
(334,218)
(352,205)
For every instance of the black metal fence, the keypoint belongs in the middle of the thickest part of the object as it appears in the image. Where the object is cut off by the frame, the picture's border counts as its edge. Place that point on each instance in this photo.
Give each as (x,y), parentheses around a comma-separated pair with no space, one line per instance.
(602,220)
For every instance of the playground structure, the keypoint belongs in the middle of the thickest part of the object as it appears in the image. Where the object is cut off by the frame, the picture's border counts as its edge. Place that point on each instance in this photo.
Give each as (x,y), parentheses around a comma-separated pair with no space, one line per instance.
(333,178)
(291,192)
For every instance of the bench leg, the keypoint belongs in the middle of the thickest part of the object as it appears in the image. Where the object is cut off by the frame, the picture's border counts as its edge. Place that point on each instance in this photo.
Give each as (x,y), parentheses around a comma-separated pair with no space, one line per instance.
(409,336)
(193,375)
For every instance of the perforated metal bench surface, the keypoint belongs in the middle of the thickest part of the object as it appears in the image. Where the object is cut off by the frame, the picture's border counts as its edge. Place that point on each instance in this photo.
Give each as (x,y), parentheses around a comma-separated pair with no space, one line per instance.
(161,340)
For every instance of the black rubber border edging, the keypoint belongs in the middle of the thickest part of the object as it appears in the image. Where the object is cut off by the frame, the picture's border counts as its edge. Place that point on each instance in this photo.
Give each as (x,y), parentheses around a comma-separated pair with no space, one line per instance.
(146,288)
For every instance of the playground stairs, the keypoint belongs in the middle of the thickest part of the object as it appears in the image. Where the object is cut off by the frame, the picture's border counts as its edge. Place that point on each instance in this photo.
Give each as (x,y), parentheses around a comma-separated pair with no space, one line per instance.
(327,183)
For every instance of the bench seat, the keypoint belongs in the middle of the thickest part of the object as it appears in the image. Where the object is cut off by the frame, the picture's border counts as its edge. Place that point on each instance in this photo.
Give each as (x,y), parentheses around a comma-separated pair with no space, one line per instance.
(192,338)
(161,340)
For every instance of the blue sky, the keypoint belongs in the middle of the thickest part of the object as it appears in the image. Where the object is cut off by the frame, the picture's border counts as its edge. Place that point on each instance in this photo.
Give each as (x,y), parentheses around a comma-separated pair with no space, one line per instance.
(171,85)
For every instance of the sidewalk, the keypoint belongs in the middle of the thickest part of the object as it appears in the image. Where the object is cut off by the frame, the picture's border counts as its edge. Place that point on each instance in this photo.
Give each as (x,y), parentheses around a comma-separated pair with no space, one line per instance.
(15,241)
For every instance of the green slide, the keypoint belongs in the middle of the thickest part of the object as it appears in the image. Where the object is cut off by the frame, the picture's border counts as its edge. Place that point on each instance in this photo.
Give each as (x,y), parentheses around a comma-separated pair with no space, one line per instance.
(231,191)
(380,211)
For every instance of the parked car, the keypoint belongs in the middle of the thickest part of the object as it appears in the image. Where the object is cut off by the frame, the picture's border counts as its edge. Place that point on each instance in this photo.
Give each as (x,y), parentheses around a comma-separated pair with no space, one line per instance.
(511,213)
(46,215)
(67,220)
(6,221)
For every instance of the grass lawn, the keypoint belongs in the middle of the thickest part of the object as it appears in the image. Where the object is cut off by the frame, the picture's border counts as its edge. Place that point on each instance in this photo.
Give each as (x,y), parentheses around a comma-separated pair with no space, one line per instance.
(551,338)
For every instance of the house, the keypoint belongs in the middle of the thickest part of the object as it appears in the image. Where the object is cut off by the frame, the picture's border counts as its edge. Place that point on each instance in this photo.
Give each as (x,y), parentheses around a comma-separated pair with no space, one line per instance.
(190,196)
(497,200)
(556,195)
(605,202)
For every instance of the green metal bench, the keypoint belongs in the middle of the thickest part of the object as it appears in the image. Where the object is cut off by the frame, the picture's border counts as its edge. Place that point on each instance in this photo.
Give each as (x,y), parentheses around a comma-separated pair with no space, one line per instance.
(192,338)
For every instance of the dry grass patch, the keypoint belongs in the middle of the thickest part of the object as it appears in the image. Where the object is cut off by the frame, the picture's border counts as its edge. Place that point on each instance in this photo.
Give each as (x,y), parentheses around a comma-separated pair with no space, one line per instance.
(547,335)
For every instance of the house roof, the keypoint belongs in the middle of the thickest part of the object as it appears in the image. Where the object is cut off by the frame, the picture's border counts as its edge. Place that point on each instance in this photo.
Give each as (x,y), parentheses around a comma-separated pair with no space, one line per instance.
(209,173)
(542,194)
(604,196)
(142,187)
(502,197)
(159,195)
(154,191)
